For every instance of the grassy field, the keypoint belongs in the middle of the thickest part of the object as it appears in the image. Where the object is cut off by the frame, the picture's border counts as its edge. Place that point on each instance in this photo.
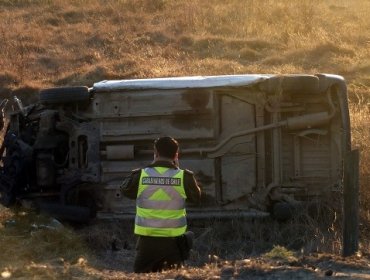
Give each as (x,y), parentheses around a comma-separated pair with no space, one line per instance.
(57,43)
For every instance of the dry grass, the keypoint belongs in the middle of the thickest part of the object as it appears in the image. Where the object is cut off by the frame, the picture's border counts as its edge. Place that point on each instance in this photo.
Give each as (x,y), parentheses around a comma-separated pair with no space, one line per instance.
(78,42)
(61,42)
(36,245)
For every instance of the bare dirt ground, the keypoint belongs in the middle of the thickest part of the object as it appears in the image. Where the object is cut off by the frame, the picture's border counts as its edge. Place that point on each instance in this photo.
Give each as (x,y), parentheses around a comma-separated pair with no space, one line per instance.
(117,265)
(35,247)
(309,267)
(113,266)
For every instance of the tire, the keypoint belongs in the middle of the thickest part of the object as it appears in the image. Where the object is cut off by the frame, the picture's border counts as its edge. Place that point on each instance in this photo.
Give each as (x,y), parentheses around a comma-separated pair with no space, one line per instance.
(81,198)
(291,84)
(66,212)
(64,95)
(283,211)
(326,82)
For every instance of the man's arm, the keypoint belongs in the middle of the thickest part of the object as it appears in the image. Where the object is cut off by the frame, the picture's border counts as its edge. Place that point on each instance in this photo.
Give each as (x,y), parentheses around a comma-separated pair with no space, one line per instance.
(130,185)
(191,186)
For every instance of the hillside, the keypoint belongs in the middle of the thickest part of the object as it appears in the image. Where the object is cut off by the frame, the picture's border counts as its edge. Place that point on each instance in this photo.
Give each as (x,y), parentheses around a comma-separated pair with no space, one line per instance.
(78,43)
(48,43)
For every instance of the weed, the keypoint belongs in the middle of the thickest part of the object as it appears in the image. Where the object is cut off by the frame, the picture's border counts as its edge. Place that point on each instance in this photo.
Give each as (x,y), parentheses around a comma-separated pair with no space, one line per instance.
(280,252)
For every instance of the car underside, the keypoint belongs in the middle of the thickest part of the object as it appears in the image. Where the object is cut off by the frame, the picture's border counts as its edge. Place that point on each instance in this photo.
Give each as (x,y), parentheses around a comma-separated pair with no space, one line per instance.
(253,141)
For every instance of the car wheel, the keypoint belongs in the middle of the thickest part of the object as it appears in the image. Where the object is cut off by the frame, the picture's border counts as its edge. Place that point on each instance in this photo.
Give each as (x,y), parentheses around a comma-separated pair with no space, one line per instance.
(63,95)
(282,211)
(291,84)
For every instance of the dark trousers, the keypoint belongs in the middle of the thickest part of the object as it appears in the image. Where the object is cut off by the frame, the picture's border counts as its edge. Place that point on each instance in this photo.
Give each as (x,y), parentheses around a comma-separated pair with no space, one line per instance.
(154,254)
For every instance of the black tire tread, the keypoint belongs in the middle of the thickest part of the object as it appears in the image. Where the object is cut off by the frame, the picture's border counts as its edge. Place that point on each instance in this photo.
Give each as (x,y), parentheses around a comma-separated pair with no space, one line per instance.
(63,95)
(292,84)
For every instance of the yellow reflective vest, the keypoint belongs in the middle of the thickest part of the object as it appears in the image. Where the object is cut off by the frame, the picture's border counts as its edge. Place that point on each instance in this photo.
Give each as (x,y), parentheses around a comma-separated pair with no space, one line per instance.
(160,202)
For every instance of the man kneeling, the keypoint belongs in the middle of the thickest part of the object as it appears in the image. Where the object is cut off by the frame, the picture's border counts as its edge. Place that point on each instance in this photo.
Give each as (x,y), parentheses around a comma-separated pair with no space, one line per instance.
(161,190)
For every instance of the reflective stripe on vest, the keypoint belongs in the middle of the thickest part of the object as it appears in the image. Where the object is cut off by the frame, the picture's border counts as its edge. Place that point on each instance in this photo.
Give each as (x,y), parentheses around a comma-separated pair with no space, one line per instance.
(160,204)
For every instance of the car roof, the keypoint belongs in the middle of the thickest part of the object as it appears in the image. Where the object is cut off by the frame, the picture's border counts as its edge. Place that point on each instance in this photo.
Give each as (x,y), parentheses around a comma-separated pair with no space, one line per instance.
(186,82)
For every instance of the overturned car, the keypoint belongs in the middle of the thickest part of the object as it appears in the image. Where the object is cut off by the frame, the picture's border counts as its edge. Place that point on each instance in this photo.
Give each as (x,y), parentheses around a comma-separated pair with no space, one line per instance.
(253,142)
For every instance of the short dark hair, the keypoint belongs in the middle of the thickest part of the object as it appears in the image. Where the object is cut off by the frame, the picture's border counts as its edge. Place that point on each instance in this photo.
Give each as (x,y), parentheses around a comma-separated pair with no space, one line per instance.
(166,147)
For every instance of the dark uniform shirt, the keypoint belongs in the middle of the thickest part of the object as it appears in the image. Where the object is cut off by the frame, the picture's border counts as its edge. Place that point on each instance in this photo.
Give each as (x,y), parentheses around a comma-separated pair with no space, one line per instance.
(157,253)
